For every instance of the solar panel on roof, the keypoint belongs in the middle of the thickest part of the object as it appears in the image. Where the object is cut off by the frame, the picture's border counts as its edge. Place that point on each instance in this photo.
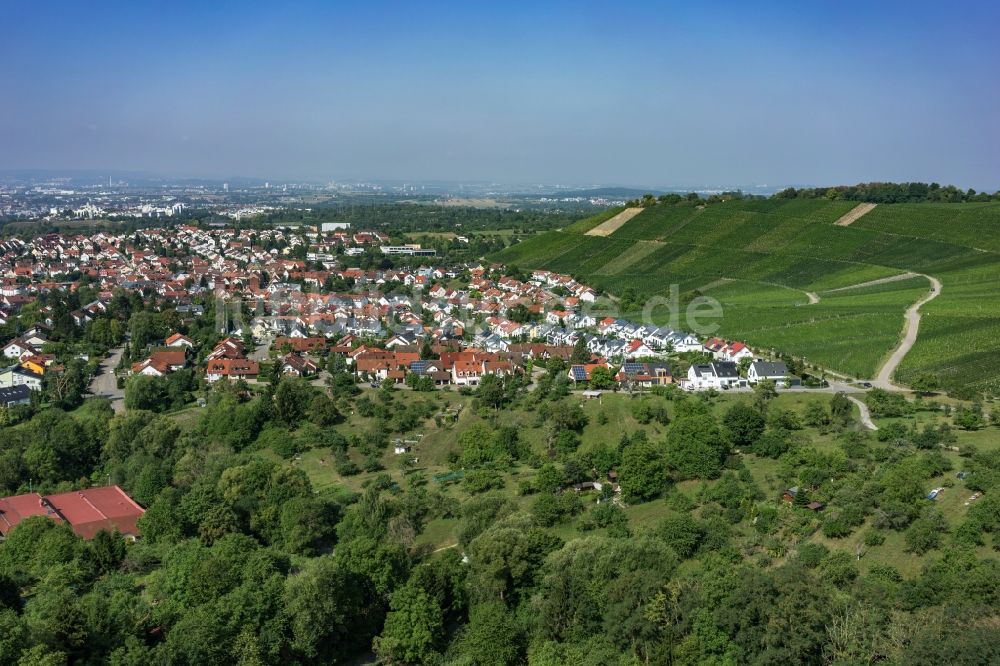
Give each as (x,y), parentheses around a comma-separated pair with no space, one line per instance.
(579,373)
(633,368)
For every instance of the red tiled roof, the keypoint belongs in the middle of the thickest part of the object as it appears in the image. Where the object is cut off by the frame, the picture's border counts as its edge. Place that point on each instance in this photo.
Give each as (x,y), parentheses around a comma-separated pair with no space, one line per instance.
(233,367)
(177,337)
(300,344)
(15,509)
(87,511)
(171,358)
(94,509)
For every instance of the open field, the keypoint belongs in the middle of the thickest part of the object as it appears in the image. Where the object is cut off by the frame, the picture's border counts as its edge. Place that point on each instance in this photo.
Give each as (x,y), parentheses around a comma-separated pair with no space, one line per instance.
(762,258)
(615,223)
(855,214)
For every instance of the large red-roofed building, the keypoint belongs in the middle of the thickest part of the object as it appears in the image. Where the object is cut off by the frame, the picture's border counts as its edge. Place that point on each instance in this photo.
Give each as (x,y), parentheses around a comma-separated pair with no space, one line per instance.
(86,511)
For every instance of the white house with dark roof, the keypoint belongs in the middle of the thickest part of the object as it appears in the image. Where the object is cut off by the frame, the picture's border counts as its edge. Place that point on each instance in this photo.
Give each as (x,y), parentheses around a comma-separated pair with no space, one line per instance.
(15,375)
(717,375)
(776,371)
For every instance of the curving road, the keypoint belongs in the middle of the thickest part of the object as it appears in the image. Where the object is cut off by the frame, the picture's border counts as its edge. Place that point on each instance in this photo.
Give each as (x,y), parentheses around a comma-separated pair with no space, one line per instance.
(884,379)
(866,417)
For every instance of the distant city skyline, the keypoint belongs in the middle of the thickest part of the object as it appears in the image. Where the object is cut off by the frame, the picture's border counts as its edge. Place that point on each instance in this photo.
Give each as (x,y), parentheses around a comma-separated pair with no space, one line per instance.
(644,95)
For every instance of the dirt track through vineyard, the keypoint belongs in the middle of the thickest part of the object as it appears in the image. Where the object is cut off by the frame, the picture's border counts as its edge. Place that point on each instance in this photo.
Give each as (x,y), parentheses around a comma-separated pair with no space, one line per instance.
(884,379)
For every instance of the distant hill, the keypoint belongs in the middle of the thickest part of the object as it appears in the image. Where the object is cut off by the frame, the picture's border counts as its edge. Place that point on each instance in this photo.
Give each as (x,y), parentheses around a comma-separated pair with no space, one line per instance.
(790,278)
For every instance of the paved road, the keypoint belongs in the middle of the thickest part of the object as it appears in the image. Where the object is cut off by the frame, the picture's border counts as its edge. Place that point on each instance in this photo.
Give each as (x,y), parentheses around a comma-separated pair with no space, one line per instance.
(105,384)
(261,351)
(884,379)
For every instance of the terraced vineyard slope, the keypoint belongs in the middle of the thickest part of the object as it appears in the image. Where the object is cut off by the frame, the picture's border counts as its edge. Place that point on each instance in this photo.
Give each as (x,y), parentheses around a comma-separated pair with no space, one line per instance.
(790,278)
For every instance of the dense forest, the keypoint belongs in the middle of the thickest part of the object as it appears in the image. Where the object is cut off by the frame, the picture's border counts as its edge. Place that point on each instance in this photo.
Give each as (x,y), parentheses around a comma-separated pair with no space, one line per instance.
(890,193)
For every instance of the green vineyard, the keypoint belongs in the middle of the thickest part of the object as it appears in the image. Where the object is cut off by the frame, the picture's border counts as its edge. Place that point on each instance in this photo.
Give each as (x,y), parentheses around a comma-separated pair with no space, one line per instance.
(761,258)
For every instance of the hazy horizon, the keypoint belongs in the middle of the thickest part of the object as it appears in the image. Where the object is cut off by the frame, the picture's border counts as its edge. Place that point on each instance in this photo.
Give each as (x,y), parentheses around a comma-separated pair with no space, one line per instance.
(644,96)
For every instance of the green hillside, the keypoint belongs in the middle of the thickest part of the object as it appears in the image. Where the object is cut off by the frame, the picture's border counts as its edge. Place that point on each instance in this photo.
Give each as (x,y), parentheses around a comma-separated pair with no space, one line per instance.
(761,258)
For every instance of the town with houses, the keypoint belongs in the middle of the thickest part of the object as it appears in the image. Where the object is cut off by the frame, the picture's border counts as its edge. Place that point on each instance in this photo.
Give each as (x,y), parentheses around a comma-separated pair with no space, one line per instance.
(450,324)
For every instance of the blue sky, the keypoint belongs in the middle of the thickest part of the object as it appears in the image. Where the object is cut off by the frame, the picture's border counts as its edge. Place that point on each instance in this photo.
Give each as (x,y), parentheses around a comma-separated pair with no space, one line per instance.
(640,94)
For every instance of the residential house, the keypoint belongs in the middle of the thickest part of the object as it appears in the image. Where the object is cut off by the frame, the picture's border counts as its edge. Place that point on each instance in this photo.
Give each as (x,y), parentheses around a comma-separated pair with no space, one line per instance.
(150,368)
(178,340)
(735,352)
(173,360)
(15,375)
(638,349)
(17,348)
(776,371)
(231,368)
(15,395)
(300,345)
(717,375)
(293,364)
(644,374)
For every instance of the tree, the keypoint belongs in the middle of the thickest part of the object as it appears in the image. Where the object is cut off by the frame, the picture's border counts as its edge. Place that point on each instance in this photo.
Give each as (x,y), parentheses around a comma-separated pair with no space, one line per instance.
(550,509)
(840,408)
(291,399)
(491,391)
(763,393)
(772,443)
(323,411)
(566,415)
(478,445)
(479,513)
(142,392)
(549,478)
(105,552)
(777,617)
(601,586)
(504,561)
(307,524)
(925,532)
(925,383)
(413,627)
(816,415)
(743,424)
(601,378)
(695,447)
(144,329)
(491,638)
(968,418)
(331,611)
(67,387)
(884,403)
(681,532)
(580,353)
(643,471)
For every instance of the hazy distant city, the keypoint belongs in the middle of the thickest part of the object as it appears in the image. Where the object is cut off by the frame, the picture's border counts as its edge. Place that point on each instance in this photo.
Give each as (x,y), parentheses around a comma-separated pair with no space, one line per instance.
(58,196)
